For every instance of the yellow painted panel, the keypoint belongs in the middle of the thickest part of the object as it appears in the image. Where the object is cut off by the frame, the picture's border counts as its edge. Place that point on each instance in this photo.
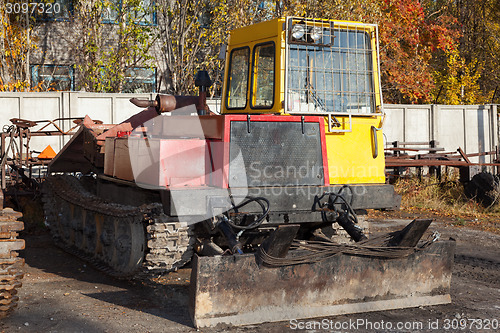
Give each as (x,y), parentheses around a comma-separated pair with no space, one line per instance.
(256,32)
(350,154)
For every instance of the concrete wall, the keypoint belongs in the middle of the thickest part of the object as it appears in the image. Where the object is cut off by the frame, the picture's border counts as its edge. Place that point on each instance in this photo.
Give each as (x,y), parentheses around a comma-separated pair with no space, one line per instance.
(474,128)
(109,108)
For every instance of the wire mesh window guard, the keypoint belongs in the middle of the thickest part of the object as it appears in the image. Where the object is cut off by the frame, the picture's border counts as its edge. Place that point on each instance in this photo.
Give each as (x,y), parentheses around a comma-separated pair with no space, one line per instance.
(330,68)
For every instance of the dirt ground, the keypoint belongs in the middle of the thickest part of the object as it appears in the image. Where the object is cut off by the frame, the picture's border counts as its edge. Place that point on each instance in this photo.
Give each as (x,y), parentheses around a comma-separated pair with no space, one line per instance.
(61,293)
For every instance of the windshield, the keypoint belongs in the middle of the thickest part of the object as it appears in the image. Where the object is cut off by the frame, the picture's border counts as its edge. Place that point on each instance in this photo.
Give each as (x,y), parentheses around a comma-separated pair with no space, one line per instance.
(333,75)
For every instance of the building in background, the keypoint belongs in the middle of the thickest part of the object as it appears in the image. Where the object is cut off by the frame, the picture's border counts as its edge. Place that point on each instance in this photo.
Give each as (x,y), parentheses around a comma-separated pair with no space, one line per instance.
(60,32)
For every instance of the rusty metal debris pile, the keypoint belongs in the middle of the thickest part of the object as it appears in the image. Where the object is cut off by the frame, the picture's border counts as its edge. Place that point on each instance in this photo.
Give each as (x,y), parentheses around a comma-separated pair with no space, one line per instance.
(404,155)
(10,264)
(18,164)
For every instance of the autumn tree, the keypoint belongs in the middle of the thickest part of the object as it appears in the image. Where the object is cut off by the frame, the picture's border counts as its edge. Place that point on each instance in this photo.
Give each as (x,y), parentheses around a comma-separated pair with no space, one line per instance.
(181,36)
(15,47)
(192,35)
(409,39)
(479,24)
(356,10)
(111,38)
(458,83)
(418,42)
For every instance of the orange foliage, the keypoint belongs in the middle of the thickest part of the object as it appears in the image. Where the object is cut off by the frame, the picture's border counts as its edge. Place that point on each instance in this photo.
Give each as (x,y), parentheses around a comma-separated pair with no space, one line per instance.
(409,39)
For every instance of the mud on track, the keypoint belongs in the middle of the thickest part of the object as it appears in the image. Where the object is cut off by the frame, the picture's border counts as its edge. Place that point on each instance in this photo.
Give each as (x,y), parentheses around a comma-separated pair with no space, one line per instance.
(61,293)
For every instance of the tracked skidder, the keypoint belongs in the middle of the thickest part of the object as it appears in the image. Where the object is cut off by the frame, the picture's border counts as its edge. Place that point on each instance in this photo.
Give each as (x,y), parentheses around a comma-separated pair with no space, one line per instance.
(255,195)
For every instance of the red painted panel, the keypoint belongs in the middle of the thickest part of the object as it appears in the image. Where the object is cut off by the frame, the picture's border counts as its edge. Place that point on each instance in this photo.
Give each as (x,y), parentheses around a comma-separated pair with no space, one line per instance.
(183,162)
(324,153)
(198,162)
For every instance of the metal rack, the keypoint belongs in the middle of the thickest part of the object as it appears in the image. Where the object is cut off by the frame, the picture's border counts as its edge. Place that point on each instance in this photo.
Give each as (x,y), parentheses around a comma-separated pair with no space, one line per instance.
(16,160)
(330,70)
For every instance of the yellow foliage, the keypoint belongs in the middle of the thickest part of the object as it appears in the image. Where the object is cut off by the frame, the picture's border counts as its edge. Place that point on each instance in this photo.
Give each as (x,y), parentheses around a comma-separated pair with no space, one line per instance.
(459,81)
(16,46)
(21,86)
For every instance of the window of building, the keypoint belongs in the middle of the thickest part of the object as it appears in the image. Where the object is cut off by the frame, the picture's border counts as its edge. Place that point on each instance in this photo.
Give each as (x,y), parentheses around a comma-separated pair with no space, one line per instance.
(53,77)
(140,80)
(144,14)
(263,76)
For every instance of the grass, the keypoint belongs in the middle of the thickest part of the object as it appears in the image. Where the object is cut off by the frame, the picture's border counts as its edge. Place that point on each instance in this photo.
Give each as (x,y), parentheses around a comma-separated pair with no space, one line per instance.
(446,199)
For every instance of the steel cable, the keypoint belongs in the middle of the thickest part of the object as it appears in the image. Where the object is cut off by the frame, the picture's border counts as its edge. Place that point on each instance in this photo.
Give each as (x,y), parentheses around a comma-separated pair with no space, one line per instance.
(320,250)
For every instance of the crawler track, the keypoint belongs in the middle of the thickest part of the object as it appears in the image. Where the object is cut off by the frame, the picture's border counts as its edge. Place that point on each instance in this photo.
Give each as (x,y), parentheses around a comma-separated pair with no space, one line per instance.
(10,265)
(118,239)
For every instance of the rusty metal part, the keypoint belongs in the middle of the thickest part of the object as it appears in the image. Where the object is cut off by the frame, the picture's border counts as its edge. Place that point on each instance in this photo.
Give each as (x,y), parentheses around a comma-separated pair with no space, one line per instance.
(15,149)
(166,103)
(128,125)
(24,123)
(394,245)
(457,158)
(389,162)
(338,285)
(162,103)
(279,241)
(10,265)
(144,103)
(464,156)
(399,161)
(117,239)
(411,234)
(206,247)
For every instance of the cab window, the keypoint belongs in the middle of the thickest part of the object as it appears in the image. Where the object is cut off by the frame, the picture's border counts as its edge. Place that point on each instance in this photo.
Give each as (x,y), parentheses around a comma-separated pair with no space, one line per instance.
(236,96)
(262,93)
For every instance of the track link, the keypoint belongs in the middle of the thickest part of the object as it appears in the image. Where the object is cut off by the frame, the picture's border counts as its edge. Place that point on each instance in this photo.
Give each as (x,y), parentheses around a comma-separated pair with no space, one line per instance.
(120,240)
(10,265)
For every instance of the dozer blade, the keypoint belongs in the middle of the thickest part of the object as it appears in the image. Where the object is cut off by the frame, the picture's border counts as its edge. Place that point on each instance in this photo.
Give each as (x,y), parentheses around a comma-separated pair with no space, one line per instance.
(235,290)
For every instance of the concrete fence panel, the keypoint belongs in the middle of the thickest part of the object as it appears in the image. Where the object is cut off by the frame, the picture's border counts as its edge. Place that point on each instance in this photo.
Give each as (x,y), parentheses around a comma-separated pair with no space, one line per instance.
(449,128)
(46,106)
(417,124)
(394,129)
(474,128)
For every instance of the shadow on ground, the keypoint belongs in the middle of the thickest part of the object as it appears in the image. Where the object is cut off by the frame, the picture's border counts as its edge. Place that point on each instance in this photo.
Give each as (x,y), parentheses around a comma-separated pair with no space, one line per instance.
(165,298)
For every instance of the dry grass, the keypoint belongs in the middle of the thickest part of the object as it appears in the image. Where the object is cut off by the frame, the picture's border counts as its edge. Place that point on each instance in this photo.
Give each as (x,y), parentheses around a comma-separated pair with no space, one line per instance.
(429,194)
(446,199)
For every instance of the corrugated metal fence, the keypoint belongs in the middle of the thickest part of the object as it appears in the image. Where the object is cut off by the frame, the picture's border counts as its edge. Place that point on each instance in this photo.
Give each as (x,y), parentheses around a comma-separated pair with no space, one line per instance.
(474,128)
